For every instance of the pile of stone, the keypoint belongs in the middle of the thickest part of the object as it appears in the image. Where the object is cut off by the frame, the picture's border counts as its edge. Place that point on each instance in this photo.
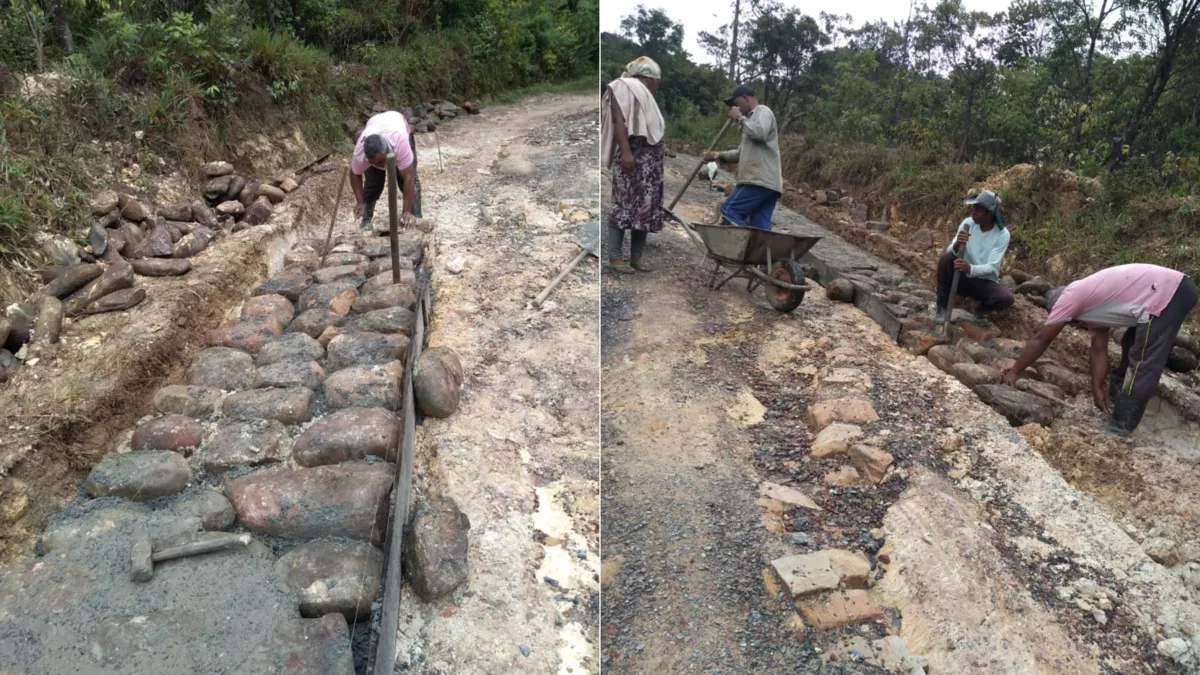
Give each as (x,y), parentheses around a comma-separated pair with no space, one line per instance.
(422,117)
(290,415)
(129,239)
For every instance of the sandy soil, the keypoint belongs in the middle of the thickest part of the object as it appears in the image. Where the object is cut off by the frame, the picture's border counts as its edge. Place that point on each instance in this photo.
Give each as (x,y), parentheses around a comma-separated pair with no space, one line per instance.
(520,456)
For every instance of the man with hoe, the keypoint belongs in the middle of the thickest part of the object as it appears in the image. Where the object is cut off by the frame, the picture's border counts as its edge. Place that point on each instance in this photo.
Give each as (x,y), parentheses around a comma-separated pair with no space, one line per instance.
(384,133)
(1150,302)
(759,175)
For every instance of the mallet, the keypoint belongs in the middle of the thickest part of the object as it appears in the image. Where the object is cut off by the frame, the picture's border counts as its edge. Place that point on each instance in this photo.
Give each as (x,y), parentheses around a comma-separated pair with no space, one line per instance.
(144,555)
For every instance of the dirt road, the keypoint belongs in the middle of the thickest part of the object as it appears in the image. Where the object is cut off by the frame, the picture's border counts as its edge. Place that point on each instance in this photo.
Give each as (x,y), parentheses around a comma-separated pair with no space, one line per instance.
(983,559)
(520,455)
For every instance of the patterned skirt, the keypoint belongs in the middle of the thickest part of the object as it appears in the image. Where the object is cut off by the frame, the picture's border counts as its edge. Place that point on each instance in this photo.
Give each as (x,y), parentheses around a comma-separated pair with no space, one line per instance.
(637,196)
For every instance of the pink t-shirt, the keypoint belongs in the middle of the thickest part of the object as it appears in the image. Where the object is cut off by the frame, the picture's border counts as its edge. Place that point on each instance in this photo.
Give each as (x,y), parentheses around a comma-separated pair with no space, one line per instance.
(1124,295)
(393,127)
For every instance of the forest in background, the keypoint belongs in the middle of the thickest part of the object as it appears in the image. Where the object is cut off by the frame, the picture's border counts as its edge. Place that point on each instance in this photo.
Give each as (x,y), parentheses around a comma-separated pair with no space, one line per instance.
(184,80)
(1101,97)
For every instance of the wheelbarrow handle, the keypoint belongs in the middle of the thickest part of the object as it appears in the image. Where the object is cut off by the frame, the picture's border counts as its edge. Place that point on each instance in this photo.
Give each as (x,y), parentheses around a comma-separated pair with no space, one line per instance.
(720,135)
(537,302)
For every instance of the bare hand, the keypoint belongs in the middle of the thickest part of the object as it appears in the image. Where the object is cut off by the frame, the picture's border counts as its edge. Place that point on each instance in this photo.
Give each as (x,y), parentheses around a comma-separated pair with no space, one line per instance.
(1100,398)
(407,219)
(710,156)
(735,113)
(962,238)
(627,162)
(1010,377)
(962,265)
(358,209)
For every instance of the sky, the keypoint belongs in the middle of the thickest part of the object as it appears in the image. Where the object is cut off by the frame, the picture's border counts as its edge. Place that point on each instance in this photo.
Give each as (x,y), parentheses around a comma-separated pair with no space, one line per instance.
(708,15)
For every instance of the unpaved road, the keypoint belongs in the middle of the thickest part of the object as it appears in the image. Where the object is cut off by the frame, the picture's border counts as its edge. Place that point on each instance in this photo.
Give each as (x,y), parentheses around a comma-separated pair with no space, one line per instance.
(705,396)
(520,454)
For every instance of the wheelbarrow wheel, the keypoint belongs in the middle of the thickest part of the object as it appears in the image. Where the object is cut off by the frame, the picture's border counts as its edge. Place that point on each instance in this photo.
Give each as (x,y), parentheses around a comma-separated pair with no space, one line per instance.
(785,299)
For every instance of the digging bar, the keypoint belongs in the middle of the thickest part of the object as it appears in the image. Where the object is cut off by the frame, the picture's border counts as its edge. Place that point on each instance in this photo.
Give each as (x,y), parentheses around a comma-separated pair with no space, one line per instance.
(953,294)
(588,238)
(337,201)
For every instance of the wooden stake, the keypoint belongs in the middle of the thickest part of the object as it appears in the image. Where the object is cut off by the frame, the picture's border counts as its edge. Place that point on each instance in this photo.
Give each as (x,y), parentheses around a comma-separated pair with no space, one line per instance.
(439,144)
(337,201)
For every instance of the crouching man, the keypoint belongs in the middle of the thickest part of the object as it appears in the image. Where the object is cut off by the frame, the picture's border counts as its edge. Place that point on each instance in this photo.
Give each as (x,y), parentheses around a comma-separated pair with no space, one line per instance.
(976,253)
(1151,301)
(384,133)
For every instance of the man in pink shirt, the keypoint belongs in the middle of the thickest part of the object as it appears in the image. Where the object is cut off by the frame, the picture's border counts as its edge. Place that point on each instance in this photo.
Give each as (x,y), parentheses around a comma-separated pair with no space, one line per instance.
(1150,301)
(384,133)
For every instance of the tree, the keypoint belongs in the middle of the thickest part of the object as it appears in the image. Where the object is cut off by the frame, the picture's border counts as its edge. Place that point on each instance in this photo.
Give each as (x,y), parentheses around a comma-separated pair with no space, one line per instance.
(780,48)
(1170,27)
(658,35)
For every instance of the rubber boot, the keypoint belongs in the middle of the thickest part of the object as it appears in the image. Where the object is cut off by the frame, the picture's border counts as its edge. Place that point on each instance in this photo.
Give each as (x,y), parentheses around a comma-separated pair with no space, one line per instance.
(367,216)
(1127,414)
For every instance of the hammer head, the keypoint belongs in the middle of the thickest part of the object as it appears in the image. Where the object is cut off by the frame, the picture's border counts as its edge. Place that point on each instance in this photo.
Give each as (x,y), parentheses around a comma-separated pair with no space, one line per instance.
(141,567)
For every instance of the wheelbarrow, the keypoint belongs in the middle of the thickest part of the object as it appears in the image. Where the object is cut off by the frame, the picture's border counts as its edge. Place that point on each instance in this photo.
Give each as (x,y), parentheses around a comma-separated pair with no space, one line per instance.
(763,258)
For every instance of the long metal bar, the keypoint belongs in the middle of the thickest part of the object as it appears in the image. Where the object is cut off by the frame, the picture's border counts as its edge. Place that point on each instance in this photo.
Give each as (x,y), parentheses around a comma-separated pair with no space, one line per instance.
(337,201)
(384,658)
(720,135)
(393,217)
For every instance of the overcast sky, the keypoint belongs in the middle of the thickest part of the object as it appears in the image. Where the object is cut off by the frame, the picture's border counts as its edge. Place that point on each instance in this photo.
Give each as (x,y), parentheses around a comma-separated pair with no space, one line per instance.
(708,15)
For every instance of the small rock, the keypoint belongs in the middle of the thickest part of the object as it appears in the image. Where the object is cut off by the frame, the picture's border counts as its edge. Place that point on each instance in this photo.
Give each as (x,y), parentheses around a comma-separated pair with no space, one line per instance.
(338,298)
(332,575)
(103,203)
(1175,649)
(1100,617)
(348,274)
(354,349)
(269,305)
(289,406)
(239,444)
(437,381)
(231,208)
(1182,360)
(272,193)
(800,538)
(288,185)
(259,211)
(845,476)
(187,400)
(291,347)
(1018,406)
(133,210)
(972,374)
(834,439)
(343,258)
(437,545)
(922,240)
(396,295)
(72,279)
(193,243)
(348,435)
(211,507)
(177,433)
(385,279)
(1034,286)
(1162,550)
(840,290)
(203,215)
(365,386)
(945,356)
(250,335)
(244,191)
(381,265)
(314,646)
(456,265)
(49,320)
(222,368)
(917,342)
(878,225)
(179,211)
(98,238)
(161,267)
(139,476)
(848,410)
(214,169)
(156,244)
(291,374)
(871,462)
(1062,378)
(315,322)
(290,287)
(388,320)
(347,500)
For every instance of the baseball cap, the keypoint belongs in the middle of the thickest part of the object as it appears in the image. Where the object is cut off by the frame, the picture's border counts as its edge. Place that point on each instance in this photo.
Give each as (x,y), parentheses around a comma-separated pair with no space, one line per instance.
(740,90)
(990,201)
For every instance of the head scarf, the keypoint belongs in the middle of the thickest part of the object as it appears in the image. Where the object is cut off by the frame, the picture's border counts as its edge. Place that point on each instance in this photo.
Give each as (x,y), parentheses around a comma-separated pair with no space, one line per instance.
(643,66)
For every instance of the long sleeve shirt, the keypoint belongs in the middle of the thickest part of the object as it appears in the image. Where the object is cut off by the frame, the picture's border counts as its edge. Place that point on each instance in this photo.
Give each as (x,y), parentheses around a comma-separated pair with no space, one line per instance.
(984,250)
(758,155)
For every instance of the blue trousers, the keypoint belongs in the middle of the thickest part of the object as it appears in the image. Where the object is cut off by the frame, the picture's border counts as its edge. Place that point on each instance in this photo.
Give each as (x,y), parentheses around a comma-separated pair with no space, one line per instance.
(750,206)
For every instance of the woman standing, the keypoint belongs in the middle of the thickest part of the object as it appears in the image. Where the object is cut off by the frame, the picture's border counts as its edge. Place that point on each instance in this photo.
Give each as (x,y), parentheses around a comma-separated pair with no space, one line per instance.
(632,131)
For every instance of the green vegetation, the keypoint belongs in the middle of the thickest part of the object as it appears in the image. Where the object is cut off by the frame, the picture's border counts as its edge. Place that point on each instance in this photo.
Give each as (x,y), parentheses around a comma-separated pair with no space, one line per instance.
(1102,99)
(184,80)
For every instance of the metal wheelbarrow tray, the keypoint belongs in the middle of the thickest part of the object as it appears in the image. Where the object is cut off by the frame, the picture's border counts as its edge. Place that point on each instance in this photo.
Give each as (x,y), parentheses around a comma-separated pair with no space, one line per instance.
(747,249)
